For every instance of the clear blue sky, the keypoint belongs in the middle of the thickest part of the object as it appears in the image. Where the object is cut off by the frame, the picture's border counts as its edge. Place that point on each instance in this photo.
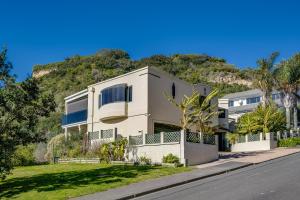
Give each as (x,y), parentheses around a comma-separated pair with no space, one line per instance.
(39,32)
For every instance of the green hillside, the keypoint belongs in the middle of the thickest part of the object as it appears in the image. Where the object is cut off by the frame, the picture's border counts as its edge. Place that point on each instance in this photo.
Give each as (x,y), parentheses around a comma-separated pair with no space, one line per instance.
(77,72)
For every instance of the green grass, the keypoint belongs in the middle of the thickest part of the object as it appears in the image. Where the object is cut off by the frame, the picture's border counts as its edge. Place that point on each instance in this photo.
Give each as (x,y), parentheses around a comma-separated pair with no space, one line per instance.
(62,181)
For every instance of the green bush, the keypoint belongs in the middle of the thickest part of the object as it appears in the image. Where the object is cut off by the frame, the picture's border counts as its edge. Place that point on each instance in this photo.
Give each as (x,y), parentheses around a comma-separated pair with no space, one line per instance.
(24,155)
(144,160)
(170,158)
(289,142)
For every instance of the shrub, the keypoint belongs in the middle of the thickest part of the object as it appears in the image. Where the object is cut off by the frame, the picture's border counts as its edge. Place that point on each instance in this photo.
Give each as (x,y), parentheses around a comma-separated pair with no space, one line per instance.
(144,160)
(170,158)
(24,155)
(289,142)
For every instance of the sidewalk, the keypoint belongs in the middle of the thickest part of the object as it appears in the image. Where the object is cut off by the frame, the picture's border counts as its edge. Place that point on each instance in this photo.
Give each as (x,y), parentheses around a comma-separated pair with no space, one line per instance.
(227,163)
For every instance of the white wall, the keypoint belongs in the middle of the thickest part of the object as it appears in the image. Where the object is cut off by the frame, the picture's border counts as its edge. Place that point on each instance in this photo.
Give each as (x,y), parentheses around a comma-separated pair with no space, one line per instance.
(261,145)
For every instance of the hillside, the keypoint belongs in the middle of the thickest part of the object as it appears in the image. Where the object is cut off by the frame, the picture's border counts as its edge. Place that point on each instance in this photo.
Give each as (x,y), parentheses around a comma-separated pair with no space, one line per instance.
(76,73)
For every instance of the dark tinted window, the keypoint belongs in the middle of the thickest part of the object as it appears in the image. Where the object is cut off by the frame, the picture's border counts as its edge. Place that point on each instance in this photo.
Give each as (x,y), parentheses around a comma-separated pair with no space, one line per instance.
(253,100)
(113,94)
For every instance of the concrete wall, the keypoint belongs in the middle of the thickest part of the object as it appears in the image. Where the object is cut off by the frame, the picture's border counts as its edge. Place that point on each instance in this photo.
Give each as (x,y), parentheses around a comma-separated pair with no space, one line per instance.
(261,145)
(188,153)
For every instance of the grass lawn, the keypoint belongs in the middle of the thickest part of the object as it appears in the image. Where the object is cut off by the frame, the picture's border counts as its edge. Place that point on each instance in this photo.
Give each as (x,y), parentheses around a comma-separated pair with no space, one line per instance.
(62,181)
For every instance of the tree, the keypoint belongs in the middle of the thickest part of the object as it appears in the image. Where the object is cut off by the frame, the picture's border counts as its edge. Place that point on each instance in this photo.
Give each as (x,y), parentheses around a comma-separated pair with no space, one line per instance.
(262,120)
(185,106)
(287,81)
(204,112)
(263,77)
(21,106)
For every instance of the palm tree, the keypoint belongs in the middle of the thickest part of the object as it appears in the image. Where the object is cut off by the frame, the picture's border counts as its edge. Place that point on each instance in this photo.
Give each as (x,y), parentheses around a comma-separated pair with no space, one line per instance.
(263,77)
(185,108)
(287,81)
(203,113)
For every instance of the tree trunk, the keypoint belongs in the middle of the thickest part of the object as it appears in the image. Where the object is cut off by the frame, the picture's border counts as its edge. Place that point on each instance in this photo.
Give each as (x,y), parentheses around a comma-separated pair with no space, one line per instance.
(288,117)
(295,118)
(264,99)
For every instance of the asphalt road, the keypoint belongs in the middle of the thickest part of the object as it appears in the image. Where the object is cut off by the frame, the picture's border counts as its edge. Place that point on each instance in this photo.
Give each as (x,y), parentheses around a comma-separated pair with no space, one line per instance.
(273,180)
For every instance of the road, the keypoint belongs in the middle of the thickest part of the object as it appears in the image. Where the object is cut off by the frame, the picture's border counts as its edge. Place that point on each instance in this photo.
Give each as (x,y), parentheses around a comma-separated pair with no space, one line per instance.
(274,180)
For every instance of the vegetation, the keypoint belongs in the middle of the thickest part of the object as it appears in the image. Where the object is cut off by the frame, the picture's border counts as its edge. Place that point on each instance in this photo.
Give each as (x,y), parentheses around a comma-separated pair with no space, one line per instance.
(263,77)
(21,107)
(204,112)
(170,158)
(24,155)
(289,142)
(185,107)
(144,160)
(262,120)
(63,181)
(287,76)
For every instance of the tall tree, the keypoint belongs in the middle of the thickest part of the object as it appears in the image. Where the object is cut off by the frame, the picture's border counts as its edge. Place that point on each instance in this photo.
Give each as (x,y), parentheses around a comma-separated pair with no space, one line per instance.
(21,106)
(184,107)
(263,77)
(204,112)
(287,81)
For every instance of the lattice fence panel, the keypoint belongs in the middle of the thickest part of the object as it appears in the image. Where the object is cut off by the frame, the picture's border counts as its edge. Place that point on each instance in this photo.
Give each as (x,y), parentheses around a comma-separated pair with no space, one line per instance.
(171,137)
(253,137)
(209,139)
(241,139)
(153,138)
(107,133)
(193,137)
(136,140)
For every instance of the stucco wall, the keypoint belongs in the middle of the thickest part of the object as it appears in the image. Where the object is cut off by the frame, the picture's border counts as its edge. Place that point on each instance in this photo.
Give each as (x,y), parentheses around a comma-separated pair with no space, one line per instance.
(200,153)
(261,145)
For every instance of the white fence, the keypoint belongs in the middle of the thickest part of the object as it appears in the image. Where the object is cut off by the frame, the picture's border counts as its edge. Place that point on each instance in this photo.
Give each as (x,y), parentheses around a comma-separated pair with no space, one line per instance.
(191,148)
(255,142)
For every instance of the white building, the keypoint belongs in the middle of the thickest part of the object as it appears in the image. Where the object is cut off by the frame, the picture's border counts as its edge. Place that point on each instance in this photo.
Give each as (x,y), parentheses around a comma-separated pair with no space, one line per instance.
(133,104)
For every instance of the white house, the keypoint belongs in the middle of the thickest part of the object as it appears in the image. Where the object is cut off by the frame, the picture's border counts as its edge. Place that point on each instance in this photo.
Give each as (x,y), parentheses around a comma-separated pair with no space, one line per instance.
(134,105)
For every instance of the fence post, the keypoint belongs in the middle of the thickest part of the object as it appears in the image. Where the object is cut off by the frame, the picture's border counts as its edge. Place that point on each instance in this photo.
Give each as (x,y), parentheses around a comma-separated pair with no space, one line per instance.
(182,146)
(246,137)
(161,137)
(144,138)
(201,138)
(261,137)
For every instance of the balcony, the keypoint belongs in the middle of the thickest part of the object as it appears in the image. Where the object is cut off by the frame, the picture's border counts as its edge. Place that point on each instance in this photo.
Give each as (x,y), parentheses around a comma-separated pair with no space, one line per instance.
(113,111)
(75,117)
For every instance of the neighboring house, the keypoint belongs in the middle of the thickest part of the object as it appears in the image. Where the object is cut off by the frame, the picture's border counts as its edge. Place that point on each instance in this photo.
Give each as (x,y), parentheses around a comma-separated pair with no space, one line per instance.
(132,104)
(237,104)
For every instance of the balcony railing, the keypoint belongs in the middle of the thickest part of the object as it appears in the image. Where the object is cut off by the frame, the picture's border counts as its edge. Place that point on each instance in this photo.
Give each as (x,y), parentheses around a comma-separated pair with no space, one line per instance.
(74,117)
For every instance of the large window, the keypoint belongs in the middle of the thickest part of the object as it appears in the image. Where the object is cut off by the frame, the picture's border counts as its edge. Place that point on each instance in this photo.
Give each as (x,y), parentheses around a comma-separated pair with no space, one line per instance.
(230,103)
(117,93)
(253,100)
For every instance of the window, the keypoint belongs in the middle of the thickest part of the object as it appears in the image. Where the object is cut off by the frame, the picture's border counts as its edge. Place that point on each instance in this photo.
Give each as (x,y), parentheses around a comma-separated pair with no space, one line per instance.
(253,100)
(160,127)
(230,103)
(276,96)
(117,93)
(222,113)
(173,91)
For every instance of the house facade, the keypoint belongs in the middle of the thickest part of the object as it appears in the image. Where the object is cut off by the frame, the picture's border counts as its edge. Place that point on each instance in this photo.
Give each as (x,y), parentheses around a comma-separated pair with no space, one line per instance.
(239,103)
(132,104)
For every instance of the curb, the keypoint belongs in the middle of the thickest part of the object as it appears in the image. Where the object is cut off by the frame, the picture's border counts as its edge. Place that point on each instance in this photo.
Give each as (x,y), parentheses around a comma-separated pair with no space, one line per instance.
(197,178)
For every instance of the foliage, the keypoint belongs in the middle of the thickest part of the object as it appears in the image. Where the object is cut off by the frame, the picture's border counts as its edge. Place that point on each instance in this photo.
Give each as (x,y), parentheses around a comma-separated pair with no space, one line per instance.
(232,137)
(287,76)
(204,112)
(113,151)
(144,160)
(24,155)
(262,120)
(56,147)
(170,158)
(185,107)
(21,107)
(264,79)
(289,142)
(61,181)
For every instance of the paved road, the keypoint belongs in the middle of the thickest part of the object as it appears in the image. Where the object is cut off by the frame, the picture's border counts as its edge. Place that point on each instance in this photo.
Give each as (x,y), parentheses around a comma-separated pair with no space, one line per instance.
(273,180)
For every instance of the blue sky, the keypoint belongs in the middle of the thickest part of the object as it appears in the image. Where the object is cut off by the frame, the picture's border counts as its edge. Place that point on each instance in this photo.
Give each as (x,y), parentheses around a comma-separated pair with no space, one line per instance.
(40,32)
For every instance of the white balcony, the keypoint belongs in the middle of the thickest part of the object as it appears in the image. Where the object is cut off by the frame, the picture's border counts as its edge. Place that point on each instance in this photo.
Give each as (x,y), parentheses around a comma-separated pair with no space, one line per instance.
(113,111)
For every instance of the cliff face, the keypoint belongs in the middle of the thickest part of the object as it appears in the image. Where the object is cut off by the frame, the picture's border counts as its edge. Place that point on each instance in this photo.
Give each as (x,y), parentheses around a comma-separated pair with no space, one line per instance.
(41,73)
(229,78)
